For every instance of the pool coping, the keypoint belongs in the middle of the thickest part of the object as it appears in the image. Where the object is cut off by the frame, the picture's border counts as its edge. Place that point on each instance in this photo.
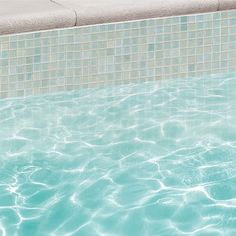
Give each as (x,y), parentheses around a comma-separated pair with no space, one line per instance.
(52,14)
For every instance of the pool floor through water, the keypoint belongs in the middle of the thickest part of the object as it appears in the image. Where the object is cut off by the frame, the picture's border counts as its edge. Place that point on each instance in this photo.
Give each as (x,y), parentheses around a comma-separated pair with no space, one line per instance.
(152,158)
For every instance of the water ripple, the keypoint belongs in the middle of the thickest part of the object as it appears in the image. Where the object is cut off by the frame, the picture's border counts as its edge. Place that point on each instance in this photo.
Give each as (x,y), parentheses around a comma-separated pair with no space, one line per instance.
(155,158)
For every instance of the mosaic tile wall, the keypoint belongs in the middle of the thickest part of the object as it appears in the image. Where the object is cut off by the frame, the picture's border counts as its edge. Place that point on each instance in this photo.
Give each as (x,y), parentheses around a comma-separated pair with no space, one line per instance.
(66,59)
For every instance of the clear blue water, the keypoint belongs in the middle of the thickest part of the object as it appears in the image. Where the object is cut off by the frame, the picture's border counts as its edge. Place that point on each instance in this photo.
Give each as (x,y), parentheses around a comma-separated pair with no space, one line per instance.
(155,158)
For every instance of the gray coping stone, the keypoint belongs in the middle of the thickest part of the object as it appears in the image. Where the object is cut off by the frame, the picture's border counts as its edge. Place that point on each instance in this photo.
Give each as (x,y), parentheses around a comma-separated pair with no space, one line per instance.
(18,16)
(227,4)
(105,11)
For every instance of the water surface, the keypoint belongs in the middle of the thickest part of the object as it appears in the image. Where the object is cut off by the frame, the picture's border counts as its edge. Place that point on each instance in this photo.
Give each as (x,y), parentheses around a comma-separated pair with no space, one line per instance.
(154,158)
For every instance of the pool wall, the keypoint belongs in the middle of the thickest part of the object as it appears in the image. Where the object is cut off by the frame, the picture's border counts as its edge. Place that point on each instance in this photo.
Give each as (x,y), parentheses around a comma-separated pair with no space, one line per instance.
(114,53)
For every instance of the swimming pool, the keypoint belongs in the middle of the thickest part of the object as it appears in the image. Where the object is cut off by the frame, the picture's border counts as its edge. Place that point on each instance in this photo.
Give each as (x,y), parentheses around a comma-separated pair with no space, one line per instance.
(150,158)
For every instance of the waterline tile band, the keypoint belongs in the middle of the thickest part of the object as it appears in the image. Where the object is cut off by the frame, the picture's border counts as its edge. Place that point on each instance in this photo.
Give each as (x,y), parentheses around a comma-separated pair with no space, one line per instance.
(68,59)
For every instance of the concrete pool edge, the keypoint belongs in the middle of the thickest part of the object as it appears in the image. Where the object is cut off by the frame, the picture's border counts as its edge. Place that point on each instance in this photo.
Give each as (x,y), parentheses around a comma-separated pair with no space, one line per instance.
(25,16)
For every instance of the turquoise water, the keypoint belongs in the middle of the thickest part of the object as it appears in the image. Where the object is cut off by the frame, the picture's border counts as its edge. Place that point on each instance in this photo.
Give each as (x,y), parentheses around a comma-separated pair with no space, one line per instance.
(155,158)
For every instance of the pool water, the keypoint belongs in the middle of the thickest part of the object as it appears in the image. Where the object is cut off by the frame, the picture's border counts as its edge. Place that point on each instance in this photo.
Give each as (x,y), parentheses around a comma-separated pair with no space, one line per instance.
(152,158)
